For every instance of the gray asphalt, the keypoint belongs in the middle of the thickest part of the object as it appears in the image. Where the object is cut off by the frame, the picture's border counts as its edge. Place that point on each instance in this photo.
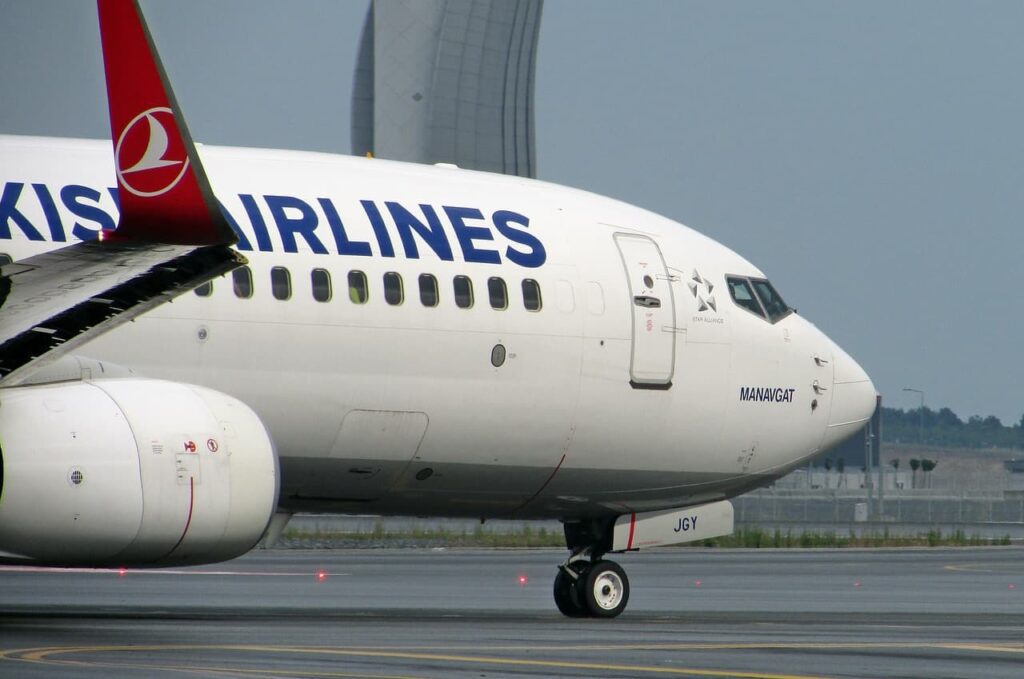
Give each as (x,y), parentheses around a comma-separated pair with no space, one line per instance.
(437,613)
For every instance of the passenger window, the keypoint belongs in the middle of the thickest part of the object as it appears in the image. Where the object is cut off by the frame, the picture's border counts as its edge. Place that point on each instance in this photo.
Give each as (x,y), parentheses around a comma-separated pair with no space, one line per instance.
(771,300)
(498,293)
(565,297)
(205,290)
(393,293)
(358,290)
(241,280)
(280,283)
(595,298)
(463,288)
(531,294)
(743,295)
(320,279)
(428,290)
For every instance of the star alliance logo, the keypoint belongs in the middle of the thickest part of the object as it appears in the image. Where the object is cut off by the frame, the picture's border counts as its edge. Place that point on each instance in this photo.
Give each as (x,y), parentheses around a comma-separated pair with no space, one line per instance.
(701,289)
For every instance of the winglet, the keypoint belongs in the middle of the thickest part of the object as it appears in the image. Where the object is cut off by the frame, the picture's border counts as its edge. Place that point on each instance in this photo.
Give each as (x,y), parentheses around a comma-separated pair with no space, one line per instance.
(165,196)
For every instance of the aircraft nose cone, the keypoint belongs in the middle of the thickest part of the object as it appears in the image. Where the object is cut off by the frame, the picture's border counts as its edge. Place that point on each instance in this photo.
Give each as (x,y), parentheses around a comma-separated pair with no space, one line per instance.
(853,399)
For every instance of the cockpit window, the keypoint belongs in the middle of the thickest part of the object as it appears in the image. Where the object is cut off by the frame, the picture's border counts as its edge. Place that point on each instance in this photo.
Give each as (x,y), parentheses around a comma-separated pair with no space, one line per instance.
(743,295)
(757,296)
(770,299)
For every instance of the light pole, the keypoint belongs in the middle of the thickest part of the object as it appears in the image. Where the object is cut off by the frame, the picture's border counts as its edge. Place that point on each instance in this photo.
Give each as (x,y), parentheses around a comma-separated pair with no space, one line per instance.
(920,431)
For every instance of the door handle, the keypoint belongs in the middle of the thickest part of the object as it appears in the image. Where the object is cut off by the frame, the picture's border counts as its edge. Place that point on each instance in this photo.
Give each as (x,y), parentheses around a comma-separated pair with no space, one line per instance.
(647,301)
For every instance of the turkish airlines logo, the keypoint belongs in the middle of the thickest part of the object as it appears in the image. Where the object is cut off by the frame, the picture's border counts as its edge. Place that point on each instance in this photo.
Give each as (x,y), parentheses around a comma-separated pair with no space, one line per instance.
(147,162)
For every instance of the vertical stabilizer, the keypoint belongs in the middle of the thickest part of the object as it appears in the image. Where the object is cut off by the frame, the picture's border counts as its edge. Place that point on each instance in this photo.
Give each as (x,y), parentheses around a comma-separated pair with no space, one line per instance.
(164,193)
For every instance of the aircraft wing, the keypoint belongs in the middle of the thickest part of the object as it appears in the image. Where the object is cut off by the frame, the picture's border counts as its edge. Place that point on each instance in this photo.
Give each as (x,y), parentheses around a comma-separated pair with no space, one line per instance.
(54,302)
(171,234)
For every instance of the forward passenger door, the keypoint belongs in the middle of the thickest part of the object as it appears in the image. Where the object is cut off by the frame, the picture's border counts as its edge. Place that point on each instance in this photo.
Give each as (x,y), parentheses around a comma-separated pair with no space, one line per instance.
(653,309)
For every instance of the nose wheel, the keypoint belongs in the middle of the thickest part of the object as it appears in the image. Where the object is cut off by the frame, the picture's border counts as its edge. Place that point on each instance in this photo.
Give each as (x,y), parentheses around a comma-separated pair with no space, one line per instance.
(566,597)
(597,589)
(587,586)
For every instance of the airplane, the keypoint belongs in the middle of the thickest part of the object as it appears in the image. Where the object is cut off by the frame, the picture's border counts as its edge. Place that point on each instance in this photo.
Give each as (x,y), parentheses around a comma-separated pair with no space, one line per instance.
(198,341)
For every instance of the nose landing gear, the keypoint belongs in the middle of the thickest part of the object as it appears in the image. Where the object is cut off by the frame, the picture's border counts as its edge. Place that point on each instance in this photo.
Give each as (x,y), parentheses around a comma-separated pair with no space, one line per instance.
(567,596)
(587,585)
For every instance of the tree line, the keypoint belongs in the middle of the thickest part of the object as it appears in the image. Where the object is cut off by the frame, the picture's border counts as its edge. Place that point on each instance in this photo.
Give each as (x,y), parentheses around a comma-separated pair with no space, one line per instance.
(944,428)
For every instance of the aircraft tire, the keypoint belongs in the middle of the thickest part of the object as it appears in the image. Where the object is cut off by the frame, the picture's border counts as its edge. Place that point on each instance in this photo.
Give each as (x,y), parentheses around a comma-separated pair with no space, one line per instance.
(604,589)
(567,596)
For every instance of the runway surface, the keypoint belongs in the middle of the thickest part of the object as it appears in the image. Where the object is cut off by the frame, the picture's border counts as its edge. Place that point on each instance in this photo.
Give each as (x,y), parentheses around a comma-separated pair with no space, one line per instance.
(437,613)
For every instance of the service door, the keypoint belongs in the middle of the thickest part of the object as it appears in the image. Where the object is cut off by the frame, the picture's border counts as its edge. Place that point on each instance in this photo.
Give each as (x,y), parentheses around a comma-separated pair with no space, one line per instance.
(650,292)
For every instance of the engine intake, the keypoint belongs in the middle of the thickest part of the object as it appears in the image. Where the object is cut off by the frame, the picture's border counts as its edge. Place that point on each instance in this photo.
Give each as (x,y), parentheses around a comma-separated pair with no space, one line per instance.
(131,472)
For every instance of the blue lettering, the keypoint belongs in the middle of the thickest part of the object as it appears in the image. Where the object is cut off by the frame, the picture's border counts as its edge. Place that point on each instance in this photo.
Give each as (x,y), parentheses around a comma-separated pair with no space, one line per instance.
(467,234)
(9,212)
(433,235)
(303,225)
(295,218)
(52,215)
(72,196)
(345,246)
(259,225)
(532,259)
(243,242)
(379,229)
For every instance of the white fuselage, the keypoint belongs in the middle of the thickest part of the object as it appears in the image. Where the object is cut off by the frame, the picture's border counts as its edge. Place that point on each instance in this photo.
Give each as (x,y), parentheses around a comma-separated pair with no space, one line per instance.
(639,384)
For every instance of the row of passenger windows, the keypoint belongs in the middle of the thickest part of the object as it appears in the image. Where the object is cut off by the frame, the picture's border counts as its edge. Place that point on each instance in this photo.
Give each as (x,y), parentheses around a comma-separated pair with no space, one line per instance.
(756,295)
(394,288)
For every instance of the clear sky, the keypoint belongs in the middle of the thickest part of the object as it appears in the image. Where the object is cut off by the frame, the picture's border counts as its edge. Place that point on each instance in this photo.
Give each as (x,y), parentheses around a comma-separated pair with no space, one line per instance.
(868,156)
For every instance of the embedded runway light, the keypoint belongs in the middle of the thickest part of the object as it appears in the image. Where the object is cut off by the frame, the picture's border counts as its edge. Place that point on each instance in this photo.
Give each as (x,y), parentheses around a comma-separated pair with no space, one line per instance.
(523,580)
(122,571)
(321,575)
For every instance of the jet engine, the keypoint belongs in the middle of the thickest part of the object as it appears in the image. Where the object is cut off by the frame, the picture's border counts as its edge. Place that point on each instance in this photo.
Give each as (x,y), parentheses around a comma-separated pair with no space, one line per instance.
(131,472)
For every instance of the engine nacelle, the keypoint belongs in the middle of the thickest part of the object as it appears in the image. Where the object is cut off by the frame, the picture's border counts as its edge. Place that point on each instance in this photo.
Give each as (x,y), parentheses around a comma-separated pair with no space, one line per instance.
(136,472)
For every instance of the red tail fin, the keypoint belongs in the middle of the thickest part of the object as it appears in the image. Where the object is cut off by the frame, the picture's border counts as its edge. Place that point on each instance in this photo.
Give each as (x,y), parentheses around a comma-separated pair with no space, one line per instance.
(164,194)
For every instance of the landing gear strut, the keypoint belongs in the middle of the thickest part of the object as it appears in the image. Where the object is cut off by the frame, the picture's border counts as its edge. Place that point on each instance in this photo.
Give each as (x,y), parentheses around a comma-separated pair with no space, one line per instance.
(587,585)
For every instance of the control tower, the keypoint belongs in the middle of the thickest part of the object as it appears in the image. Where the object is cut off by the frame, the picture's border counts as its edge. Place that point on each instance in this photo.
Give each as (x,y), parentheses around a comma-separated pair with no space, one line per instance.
(448,81)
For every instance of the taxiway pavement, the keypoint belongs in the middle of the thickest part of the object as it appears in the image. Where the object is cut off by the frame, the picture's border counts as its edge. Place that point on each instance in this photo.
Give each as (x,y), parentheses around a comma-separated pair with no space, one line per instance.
(489,613)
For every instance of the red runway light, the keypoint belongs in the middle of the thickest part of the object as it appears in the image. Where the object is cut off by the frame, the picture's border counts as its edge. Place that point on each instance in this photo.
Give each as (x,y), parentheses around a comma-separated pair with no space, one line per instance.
(321,575)
(122,571)
(523,580)
(696,583)
(856,583)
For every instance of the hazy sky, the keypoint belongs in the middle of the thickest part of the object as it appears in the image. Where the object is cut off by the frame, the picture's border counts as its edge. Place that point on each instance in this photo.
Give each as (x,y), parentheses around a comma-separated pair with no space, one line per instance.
(868,156)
